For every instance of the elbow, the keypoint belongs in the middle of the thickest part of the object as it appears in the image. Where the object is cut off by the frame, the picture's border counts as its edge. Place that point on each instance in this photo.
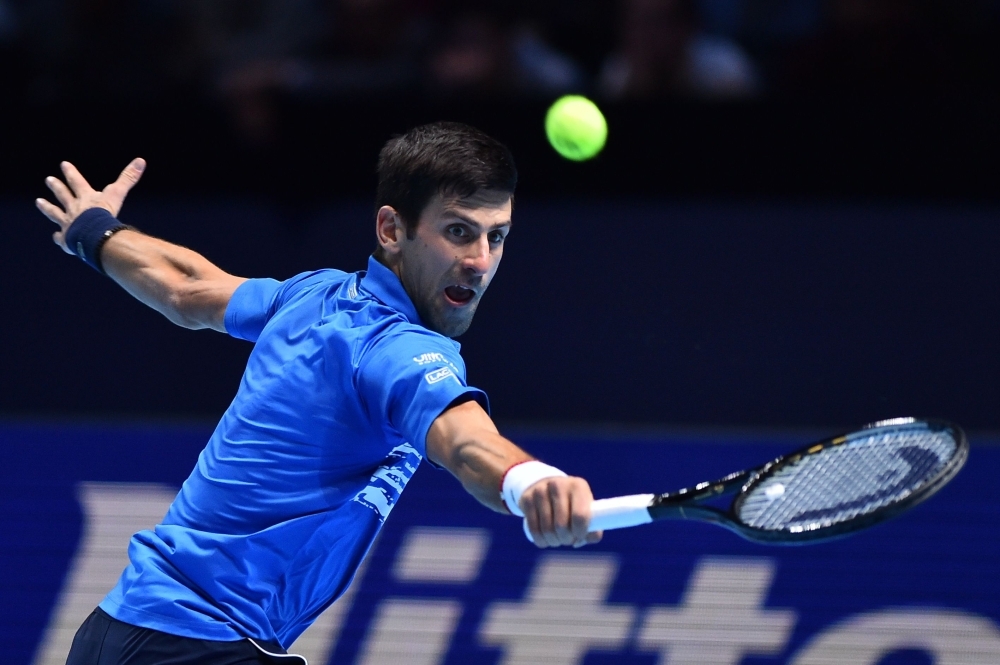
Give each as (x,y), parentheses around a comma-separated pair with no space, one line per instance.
(462,458)
(181,307)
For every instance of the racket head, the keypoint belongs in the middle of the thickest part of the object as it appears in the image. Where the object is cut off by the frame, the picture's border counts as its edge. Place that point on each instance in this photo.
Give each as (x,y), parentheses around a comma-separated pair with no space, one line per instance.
(848,482)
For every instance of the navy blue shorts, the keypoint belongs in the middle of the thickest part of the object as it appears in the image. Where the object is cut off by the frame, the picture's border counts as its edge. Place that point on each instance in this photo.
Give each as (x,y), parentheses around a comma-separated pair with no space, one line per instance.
(103,640)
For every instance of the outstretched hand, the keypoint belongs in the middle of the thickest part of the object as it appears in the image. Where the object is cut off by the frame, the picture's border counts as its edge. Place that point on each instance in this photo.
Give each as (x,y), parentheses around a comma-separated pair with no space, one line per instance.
(76,195)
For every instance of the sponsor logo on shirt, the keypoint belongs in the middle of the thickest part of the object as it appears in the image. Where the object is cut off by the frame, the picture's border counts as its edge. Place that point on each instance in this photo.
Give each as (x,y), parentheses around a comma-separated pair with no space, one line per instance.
(439,375)
(426,358)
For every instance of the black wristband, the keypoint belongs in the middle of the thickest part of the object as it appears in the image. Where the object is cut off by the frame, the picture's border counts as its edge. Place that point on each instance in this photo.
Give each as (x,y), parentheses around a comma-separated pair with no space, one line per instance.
(88,233)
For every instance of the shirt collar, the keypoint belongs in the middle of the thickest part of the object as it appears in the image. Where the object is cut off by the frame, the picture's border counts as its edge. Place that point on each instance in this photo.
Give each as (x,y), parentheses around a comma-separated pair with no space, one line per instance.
(387,289)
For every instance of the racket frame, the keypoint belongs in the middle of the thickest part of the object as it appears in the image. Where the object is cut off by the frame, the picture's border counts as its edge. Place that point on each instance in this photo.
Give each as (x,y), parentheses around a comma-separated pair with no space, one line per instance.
(688,503)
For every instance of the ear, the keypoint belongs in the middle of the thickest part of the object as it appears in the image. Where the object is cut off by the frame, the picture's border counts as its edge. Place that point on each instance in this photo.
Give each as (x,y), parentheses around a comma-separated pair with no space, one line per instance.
(390,230)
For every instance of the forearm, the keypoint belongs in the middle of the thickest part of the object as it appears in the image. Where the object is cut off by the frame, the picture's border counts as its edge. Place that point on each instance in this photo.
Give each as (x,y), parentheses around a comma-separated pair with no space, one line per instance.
(481,464)
(180,284)
(556,507)
(175,281)
(477,454)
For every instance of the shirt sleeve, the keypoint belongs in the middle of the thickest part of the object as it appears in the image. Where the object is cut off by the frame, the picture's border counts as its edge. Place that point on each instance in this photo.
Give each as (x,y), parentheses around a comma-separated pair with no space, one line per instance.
(409,379)
(250,308)
(255,301)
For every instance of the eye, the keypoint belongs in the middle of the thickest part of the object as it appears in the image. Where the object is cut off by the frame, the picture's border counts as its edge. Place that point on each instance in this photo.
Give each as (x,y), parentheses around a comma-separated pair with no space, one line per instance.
(496,238)
(457,231)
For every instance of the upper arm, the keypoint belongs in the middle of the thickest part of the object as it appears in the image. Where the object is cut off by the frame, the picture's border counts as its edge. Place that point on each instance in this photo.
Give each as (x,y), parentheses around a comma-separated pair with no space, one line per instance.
(209,300)
(194,303)
(179,283)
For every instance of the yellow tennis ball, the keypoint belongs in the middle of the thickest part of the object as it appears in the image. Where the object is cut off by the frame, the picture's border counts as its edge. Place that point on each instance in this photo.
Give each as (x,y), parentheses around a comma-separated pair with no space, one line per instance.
(576,128)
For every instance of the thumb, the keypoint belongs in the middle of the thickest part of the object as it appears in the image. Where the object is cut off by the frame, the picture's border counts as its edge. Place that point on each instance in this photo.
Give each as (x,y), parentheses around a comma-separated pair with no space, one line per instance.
(130,174)
(116,192)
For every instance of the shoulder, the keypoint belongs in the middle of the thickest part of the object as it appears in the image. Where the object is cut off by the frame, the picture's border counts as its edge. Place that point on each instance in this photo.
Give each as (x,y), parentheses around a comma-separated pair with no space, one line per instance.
(308,286)
(308,280)
(255,301)
(404,343)
(275,291)
(409,335)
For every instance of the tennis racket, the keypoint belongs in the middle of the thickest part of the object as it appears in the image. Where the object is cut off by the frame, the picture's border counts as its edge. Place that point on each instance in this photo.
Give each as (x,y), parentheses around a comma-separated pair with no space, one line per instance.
(826,490)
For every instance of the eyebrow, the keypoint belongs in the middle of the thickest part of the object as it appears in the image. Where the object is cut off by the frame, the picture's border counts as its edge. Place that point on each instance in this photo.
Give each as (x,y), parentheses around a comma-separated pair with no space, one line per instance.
(454,213)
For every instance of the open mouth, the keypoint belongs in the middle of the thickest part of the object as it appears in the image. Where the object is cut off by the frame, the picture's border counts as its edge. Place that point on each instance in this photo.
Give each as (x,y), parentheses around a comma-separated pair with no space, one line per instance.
(459,295)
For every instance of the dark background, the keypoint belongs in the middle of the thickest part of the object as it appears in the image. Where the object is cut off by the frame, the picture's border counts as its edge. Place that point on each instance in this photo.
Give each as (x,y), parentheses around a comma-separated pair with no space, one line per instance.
(811,242)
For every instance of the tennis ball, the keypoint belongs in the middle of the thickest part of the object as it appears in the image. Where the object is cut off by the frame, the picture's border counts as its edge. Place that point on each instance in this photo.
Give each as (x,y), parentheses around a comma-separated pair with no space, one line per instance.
(576,128)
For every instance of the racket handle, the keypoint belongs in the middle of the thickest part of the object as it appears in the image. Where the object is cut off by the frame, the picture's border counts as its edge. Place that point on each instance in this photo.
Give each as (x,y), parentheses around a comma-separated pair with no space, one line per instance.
(620,512)
(617,513)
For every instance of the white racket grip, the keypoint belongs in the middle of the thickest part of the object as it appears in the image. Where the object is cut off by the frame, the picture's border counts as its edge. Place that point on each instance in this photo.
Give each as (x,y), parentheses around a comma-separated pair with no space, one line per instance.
(619,512)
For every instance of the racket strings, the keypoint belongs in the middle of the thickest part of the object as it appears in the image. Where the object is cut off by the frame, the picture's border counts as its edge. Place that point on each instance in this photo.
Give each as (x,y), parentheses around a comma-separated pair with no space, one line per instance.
(842,482)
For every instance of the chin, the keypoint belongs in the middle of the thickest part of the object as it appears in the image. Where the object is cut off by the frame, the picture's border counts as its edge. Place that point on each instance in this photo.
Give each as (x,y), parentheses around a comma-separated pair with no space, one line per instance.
(446,319)
(453,326)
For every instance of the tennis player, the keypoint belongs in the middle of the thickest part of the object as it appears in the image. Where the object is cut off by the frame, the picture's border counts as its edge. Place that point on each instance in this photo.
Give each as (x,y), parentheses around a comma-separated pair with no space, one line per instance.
(353,380)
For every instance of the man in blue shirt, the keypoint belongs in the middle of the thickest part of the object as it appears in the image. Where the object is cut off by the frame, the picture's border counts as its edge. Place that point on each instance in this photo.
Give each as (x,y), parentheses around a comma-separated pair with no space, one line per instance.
(353,380)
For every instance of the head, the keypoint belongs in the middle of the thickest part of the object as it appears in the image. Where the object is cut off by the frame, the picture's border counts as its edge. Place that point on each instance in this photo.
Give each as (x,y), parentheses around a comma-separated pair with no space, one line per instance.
(443,210)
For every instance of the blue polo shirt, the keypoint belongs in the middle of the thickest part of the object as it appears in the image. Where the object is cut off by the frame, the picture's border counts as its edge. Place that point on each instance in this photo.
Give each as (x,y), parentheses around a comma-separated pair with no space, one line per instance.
(329,424)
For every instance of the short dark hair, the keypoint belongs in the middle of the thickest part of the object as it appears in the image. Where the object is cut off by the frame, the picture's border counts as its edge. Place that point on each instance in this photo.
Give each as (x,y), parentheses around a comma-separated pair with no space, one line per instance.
(449,158)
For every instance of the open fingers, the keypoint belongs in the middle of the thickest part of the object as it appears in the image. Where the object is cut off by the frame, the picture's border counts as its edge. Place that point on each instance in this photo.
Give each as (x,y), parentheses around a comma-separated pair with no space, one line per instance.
(76,182)
(60,190)
(53,212)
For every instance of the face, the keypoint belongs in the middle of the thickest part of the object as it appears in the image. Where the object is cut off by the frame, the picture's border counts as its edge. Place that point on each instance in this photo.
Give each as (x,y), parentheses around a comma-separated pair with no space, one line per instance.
(448,264)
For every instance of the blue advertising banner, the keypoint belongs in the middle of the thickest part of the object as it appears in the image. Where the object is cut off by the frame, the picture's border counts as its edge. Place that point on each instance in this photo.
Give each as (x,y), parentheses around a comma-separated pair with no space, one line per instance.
(450,582)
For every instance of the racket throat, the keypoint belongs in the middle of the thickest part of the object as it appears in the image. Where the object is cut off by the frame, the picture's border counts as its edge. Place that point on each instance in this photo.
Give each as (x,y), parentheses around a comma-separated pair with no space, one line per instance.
(687,511)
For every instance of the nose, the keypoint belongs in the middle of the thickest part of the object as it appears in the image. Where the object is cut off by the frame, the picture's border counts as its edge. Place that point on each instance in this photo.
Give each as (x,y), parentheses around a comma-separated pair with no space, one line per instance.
(477,260)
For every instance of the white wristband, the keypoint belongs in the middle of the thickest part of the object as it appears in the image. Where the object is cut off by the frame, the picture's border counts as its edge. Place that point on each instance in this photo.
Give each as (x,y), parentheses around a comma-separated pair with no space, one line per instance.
(522,476)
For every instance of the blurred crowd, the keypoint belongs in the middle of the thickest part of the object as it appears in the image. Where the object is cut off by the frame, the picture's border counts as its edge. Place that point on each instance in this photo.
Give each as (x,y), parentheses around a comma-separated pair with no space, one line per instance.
(247,53)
